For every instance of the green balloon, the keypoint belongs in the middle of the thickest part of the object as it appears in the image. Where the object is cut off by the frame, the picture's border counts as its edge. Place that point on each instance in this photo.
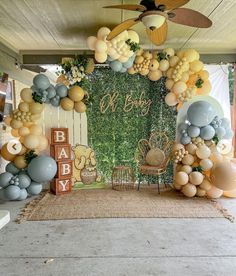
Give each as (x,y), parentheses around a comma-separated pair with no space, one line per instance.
(23,194)
(41,81)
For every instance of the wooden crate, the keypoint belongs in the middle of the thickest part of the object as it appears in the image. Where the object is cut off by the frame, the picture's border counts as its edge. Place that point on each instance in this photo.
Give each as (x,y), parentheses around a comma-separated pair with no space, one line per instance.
(60,152)
(61,186)
(64,168)
(59,136)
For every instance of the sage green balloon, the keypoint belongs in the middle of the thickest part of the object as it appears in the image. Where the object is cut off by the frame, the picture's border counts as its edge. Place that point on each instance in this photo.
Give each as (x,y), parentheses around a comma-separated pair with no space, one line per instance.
(35,188)
(11,168)
(12,192)
(5,179)
(24,181)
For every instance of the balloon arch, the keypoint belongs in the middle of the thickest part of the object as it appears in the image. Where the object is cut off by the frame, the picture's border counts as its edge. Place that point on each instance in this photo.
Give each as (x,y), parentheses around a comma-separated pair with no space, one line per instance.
(200,165)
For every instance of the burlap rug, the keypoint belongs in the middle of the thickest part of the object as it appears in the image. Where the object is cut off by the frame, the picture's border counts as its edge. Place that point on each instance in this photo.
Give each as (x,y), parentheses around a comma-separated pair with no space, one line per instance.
(107,203)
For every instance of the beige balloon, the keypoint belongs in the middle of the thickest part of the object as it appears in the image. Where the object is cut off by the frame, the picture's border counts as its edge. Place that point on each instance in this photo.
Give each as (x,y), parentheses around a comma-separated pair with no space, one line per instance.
(196,178)
(214,192)
(187,169)
(171,99)
(189,190)
(188,159)
(31,141)
(181,178)
(200,192)
(191,148)
(80,107)
(23,106)
(16,124)
(203,152)
(206,164)
(36,130)
(43,143)
(36,108)
(7,120)
(205,185)
(26,95)
(23,131)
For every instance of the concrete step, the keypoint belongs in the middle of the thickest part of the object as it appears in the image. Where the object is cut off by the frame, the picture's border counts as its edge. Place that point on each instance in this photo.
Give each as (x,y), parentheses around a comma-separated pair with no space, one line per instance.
(4,218)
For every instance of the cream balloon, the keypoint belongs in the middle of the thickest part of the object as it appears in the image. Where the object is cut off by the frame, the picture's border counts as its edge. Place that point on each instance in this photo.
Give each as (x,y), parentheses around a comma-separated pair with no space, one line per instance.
(133,36)
(231,194)
(191,148)
(171,99)
(24,107)
(36,130)
(155,75)
(103,33)
(169,83)
(7,120)
(100,57)
(203,152)
(43,143)
(23,131)
(31,141)
(189,190)
(181,178)
(179,87)
(26,95)
(206,164)
(91,40)
(188,159)
(100,46)
(187,169)
(200,192)
(173,61)
(196,178)
(205,185)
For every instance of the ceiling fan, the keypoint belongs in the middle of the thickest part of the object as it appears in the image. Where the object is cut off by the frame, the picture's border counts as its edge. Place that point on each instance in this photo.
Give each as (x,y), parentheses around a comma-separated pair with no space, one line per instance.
(154,15)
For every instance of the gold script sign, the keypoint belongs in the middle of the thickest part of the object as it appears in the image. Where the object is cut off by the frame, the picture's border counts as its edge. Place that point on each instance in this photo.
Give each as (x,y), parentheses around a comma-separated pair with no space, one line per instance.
(110,100)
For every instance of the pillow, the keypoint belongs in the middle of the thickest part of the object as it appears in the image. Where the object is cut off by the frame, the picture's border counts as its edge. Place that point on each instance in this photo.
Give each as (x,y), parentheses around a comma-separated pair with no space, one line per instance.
(155,157)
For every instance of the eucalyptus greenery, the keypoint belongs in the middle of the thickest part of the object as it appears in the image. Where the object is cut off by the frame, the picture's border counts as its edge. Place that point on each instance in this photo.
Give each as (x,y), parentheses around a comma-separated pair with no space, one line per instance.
(114,135)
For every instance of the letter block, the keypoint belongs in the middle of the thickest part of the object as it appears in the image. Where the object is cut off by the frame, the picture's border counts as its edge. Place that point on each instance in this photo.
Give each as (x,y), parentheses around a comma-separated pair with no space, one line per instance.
(60,152)
(61,185)
(59,136)
(64,169)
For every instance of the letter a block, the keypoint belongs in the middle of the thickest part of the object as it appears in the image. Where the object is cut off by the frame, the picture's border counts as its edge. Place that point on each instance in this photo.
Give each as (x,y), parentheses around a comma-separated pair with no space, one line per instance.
(64,169)
(61,185)
(59,136)
(61,152)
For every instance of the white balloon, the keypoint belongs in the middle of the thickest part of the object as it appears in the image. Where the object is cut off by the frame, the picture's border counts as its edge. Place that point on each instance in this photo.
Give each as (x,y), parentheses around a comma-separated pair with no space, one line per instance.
(133,36)
(103,33)
(91,40)
(100,46)
(100,57)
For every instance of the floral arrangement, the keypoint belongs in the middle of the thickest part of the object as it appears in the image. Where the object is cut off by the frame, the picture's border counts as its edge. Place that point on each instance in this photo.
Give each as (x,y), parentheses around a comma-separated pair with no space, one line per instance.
(75,70)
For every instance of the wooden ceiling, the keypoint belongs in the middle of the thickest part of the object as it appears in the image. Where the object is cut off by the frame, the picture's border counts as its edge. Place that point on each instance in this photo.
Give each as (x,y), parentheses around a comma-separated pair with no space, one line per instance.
(35,25)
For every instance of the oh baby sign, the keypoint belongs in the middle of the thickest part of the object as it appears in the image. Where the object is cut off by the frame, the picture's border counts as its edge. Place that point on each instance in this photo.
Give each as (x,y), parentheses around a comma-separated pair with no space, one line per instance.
(110,101)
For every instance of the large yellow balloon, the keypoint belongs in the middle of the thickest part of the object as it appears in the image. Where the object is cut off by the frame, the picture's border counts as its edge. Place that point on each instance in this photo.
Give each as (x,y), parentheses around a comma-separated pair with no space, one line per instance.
(76,93)
(31,141)
(23,131)
(20,162)
(26,95)
(67,104)
(80,107)
(43,143)
(6,154)
(36,108)
(36,130)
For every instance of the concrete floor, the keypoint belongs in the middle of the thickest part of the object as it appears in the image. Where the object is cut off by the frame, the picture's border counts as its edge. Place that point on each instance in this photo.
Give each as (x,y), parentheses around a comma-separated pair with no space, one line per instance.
(175,247)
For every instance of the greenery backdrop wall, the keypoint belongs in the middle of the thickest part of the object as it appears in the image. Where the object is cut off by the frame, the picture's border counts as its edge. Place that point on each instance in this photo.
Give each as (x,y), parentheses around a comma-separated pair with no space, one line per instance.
(125,109)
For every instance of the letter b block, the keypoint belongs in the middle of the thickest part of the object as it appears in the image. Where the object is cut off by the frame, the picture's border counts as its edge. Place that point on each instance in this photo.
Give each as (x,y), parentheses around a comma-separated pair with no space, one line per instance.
(64,169)
(59,136)
(61,185)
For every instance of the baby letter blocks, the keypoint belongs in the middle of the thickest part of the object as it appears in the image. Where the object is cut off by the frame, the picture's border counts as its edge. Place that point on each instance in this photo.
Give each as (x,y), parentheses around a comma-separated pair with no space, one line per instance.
(61,151)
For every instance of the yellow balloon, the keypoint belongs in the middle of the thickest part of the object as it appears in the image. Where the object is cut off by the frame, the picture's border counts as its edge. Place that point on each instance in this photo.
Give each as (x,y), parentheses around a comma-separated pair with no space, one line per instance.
(23,106)
(190,55)
(203,74)
(36,130)
(76,93)
(35,117)
(16,124)
(179,87)
(80,107)
(171,99)
(7,120)
(31,141)
(26,95)
(23,131)
(206,88)
(20,162)
(15,132)
(43,143)
(155,75)
(6,154)
(67,104)
(36,108)
(196,66)
(100,57)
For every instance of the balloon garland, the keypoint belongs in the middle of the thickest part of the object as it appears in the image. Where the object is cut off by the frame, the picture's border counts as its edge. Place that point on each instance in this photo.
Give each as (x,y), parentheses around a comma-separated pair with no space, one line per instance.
(28,171)
(202,167)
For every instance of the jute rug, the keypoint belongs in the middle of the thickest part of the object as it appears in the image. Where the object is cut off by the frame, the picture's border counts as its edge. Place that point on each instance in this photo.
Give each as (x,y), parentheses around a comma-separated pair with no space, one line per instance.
(107,203)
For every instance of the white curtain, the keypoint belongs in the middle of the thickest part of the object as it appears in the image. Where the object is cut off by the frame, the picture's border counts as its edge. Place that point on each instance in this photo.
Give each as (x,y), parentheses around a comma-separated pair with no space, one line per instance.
(218,76)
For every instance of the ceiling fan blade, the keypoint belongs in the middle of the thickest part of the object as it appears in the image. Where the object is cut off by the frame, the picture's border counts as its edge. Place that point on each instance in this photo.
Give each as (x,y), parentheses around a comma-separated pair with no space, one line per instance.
(122,27)
(171,4)
(190,18)
(158,36)
(139,8)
